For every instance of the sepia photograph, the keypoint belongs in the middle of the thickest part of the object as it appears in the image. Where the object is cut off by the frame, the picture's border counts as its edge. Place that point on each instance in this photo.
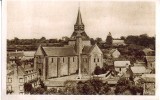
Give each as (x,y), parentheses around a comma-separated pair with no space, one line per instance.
(80,47)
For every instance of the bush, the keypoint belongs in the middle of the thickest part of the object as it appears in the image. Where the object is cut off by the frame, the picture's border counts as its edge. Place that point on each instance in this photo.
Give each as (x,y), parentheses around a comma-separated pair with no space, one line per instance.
(28,87)
(51,91)
(92,87)
(97,70)
(38,90)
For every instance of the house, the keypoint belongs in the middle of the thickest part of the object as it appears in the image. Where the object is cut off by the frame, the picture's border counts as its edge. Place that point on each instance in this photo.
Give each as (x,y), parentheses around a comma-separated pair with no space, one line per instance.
(111,53)
(12,57)
(78,58)
(150,62)
(149,84)
(148,52)
(28,55)
(120,66)
(18,76)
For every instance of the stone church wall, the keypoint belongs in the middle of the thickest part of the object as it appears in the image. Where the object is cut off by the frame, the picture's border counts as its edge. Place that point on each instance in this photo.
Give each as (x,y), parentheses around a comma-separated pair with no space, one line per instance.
(52,67)
(73,64)
(85,64)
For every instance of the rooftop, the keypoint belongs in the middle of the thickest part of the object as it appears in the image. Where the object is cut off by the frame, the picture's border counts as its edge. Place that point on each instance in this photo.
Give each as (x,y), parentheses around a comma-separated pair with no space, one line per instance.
(121,63)
(138,69)
(59,51)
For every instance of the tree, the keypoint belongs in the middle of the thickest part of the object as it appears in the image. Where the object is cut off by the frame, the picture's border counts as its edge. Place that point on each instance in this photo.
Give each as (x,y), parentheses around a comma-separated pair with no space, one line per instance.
(97,70)
(123,84)
(70,87)
(98,40)
(28,87)
(92,87)
(105,89)
(37,90)
(109,39)
(42,40)
(97,84)
(51,91)
(122,38)
(16,40)
(42,85)
(92,41)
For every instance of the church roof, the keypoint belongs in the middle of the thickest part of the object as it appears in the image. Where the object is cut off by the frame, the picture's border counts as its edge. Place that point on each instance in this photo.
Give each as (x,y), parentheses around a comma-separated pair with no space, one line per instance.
(87,49)
(79,19)
(59,51)
(83,35)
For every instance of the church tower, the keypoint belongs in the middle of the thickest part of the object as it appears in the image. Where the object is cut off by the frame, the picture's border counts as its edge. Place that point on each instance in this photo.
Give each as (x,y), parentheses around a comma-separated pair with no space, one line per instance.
(79,27)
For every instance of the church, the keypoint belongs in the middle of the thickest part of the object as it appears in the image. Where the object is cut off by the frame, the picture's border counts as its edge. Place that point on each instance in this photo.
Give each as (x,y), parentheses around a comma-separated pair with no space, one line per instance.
(78,58)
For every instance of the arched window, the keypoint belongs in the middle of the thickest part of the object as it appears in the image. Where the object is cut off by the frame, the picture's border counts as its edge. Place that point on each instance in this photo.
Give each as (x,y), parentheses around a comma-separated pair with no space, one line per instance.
(52,60)
(63,59)
(40,73)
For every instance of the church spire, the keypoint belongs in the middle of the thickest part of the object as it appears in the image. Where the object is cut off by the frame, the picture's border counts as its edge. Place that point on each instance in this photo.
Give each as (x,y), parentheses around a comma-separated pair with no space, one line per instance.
(79,18)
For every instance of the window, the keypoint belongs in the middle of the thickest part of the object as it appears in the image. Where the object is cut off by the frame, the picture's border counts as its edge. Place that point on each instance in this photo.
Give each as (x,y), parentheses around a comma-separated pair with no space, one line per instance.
(9,87)
(52,60)
(119,69)
(21,87)
(9,80)
(63,59)
(94,60)
(98,59)
(73,59)
(25,80)
(21,80)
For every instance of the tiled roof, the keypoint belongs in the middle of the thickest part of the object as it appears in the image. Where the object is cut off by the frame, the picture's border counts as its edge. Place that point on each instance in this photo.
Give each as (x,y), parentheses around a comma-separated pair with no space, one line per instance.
(29,53)
(118,41)
(150,58)
(148,51)
(59,51)
(121,63)
(20,71)
(15,54)
(112,50)
(149,77)
(138,70)
(87,49)
(10,73)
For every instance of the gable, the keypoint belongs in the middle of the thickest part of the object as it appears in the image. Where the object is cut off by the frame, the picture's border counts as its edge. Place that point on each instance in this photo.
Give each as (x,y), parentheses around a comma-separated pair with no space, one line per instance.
(39,51)
(95,50)
(116,52)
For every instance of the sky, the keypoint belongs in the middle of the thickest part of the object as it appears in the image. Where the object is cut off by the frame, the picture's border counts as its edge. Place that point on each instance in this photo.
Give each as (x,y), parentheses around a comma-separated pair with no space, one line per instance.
(55,19)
